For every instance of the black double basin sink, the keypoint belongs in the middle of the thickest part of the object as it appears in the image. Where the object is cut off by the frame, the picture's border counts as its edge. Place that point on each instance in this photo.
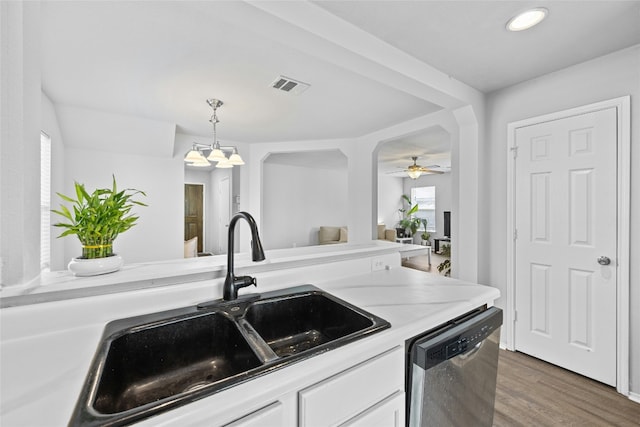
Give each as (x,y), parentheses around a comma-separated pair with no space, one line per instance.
(152,363)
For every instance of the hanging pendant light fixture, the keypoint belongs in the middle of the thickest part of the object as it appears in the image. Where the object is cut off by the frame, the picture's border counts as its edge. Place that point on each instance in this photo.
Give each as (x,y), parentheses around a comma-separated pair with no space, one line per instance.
(235,158)
(195,156)
(224,164)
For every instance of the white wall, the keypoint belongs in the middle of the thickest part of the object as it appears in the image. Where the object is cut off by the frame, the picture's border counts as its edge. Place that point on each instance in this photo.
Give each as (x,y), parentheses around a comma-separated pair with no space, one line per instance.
(254,186)
(390,190)
(443,196)
(159,232)
(298,200)
(20,142)
(608,77)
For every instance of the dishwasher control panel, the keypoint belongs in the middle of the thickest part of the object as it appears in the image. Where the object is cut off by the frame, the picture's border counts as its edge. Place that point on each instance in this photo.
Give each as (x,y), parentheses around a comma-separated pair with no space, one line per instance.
(456,337)
(467,340)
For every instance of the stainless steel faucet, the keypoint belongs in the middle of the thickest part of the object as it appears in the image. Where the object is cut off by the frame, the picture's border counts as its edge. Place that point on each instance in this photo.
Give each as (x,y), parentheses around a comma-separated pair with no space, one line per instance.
(233,283)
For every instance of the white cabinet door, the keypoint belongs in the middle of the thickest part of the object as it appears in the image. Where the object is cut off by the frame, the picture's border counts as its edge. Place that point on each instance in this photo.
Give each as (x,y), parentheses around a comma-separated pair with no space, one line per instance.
(349,393)
(270,416)
(388,413)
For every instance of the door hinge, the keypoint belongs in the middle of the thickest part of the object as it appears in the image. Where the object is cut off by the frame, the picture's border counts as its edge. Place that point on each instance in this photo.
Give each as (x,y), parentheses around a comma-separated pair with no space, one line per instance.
(514,150)
(515,234)
(515,315)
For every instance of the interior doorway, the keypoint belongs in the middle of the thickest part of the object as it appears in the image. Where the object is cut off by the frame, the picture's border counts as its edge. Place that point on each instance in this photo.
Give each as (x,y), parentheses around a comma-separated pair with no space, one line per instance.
(432,149)
(194,213)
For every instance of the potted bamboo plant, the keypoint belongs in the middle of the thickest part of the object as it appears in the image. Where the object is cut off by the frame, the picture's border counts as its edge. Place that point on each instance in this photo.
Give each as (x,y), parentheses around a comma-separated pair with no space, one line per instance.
(97,219)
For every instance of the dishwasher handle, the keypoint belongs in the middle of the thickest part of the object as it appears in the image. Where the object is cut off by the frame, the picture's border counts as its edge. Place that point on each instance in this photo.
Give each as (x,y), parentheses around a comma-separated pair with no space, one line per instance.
(455,339)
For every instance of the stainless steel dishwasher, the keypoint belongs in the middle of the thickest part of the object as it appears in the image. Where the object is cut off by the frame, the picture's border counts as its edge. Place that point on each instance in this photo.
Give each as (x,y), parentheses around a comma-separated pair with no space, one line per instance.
(452,370)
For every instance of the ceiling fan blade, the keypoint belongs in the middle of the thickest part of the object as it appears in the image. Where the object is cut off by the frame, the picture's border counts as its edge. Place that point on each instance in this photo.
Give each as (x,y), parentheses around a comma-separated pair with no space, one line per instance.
(425,170)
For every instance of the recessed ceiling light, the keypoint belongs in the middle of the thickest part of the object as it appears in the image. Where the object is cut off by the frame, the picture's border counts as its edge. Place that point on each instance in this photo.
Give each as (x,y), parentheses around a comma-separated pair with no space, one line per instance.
(527,19)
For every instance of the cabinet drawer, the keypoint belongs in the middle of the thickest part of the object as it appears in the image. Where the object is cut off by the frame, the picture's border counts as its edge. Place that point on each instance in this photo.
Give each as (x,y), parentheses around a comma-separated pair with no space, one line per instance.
(348,393)
(270,415)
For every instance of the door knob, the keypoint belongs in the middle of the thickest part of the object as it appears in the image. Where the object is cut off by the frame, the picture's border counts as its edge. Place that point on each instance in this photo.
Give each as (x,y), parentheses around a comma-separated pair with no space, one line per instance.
(604,260)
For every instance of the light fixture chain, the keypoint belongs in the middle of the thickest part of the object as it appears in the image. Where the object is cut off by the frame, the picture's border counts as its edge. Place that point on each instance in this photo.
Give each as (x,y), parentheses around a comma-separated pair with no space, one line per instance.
(214,119)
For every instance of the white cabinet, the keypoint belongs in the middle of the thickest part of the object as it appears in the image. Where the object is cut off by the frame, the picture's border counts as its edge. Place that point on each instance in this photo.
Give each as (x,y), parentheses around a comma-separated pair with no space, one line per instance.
(362,390)
(388,413)
(367,394)
(270,415)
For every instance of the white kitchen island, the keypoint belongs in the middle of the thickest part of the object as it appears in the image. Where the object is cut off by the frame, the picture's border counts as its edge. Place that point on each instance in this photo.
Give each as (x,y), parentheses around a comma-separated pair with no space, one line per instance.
(47,347)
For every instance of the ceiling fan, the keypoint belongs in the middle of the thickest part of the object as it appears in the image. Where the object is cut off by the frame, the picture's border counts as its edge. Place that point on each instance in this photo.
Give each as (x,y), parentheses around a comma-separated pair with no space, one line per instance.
(414,171)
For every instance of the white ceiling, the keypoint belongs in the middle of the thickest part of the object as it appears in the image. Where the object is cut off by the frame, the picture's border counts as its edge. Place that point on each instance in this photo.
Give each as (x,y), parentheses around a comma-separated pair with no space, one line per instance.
(162,60)
(468,39)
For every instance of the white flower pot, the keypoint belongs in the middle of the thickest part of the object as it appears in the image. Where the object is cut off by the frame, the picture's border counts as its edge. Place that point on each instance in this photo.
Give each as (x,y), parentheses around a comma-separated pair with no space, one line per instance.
(93,267)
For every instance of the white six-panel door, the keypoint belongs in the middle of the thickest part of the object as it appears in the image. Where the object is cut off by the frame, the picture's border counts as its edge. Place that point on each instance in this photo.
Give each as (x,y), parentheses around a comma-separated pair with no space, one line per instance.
(565,220)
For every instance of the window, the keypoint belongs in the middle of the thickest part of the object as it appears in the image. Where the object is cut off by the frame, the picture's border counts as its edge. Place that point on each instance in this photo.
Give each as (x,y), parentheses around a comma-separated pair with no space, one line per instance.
(45,201)
(425,198)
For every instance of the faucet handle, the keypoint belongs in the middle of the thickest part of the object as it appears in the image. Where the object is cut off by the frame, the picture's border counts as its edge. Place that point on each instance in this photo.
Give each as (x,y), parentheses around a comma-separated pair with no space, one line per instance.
(243,281)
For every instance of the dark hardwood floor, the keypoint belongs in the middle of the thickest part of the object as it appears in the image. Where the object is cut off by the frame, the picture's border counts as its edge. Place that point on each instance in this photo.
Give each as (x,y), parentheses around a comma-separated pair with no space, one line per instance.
(531,392)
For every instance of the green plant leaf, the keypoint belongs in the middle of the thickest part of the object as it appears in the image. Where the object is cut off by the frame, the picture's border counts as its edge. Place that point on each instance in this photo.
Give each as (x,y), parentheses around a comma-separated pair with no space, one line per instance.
(99,217)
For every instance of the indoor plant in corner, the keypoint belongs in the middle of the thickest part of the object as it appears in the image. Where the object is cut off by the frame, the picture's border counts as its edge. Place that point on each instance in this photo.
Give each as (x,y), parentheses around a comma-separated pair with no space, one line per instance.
(408,224)
(97,219)
(426,236)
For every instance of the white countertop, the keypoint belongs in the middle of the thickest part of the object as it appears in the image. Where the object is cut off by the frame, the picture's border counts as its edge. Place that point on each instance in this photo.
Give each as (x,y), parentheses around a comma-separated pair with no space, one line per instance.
(411,300)
(60,285)
(47,348)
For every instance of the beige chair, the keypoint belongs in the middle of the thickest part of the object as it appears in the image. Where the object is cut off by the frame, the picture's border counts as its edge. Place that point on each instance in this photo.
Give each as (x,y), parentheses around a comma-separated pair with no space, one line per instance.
(386,233)
(191,248)
(332,235)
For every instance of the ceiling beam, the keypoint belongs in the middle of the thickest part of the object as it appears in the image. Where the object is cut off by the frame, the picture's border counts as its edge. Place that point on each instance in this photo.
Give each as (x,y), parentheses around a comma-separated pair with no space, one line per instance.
(317,32)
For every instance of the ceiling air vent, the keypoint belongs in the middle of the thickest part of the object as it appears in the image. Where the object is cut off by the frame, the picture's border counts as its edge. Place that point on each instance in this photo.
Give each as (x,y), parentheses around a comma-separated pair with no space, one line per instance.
(287,84)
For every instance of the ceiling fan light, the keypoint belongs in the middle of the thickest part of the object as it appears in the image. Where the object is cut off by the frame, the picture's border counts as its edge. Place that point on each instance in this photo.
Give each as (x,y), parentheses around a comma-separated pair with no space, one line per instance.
(527,19)
(414,173)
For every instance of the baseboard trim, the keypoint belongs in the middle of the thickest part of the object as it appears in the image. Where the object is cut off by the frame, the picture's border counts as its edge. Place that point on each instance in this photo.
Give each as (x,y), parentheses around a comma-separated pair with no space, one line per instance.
(634,396)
